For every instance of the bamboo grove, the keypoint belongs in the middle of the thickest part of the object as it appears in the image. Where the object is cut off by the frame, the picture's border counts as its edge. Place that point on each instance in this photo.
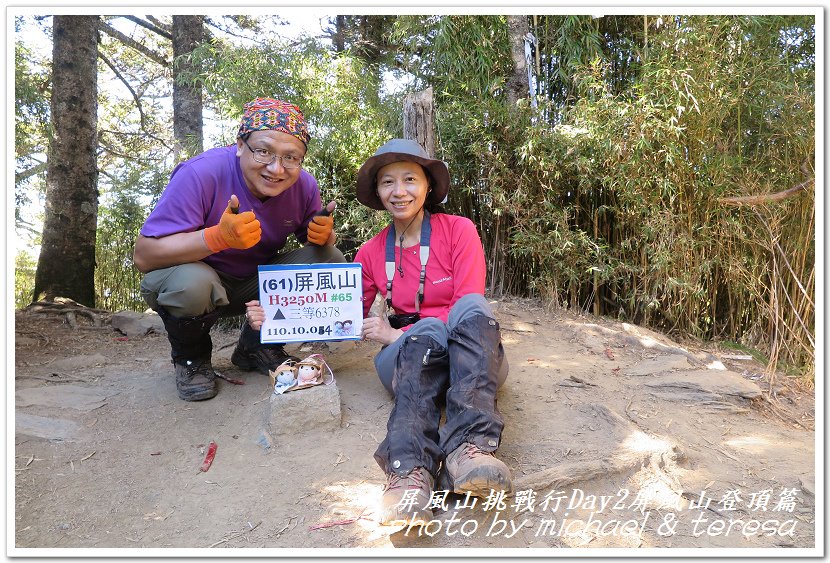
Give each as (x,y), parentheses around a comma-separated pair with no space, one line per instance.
(616,190)
(612,195)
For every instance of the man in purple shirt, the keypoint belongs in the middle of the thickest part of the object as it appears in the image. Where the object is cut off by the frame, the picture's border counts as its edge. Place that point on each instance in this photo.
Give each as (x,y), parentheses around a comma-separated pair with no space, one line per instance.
(223,213)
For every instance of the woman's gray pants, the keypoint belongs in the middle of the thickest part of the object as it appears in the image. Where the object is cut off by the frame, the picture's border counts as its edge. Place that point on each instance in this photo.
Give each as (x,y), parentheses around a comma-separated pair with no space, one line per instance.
(458,364)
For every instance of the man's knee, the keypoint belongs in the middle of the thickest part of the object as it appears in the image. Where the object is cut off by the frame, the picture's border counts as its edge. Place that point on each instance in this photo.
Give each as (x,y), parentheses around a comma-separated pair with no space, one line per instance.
(184,291)
(330,255)
(311,254)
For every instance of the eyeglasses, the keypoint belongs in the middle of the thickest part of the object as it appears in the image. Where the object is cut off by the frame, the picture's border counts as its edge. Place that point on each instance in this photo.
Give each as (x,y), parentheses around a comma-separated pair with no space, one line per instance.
(400,321)
(287,161)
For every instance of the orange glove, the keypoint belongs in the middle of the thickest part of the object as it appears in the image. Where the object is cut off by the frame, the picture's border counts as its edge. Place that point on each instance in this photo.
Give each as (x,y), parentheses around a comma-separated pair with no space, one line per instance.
(321,226)
(233,231)
(319,230)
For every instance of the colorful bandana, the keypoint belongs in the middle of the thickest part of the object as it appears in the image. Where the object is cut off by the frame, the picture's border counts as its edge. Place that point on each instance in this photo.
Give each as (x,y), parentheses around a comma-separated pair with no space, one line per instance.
(268,113)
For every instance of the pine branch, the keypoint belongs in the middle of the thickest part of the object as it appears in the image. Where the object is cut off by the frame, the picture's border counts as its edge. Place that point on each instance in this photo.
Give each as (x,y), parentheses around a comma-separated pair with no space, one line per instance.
(255,37)
(150,26)
(126,83)
(112,151)
(136,98)
(25,225)
(29,172)
(107,174)
(165,26)
(130,42)
(227,30)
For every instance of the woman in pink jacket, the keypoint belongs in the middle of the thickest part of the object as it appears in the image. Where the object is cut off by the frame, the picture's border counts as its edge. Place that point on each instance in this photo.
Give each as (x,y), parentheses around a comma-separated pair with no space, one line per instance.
(441,344)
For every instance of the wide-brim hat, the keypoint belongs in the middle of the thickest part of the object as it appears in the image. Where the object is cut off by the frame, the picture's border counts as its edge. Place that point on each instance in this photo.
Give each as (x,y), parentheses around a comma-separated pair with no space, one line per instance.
(398,150)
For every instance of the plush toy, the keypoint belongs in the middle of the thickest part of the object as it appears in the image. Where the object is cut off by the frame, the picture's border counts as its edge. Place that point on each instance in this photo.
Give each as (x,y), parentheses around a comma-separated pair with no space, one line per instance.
(309,372)
(290,375)
(284,377)
(313,371)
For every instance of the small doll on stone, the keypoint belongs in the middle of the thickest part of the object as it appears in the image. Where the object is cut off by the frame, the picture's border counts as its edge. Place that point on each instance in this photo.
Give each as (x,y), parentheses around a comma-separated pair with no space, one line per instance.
(284,378)
(313,371)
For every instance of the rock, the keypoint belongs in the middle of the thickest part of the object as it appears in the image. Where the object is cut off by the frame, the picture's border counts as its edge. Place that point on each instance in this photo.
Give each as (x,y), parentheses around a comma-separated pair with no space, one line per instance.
(704,385)
(65,396)
(45,427)
(265,440)
(639,337)
(134,324)
(75,363)
(310,409)
(807,484)
(658,365)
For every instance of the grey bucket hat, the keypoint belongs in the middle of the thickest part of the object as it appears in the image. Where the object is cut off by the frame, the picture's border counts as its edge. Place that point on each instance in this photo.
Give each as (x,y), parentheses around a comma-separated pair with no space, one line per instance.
(398,150)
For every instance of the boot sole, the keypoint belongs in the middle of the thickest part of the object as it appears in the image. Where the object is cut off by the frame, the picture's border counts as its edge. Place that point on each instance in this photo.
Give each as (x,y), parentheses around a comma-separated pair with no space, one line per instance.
(397,519)
(477,483)
(199,396)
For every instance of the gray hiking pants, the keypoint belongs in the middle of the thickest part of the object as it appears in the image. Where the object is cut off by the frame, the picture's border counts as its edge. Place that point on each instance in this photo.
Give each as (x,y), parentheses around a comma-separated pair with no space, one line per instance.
(467,306)
(458,365)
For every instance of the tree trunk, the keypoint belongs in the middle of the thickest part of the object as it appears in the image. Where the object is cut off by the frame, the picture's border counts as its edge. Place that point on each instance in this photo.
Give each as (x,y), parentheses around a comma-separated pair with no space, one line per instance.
(517,85)
(339,34)
(418,120)
(66,266)
(188,33)
(497,243)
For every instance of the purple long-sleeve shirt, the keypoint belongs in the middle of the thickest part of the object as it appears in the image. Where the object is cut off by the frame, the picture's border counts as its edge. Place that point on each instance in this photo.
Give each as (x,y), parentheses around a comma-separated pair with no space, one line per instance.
(198,194)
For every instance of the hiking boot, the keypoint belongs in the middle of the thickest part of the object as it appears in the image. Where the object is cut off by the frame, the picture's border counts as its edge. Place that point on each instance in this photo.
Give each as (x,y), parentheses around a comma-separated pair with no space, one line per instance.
(406,498)
(263,358)
(469,469)
(195,379)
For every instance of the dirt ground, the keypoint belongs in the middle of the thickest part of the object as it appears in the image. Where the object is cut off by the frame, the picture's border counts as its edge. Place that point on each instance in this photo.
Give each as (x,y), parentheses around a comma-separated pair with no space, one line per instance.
(617,438)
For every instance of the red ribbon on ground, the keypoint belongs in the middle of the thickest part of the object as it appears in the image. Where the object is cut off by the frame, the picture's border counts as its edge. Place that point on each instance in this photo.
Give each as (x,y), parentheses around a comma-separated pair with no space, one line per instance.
(211,453)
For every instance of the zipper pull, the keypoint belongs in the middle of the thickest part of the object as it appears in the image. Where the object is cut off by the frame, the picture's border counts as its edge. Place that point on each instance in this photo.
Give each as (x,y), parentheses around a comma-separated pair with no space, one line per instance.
(426,356)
